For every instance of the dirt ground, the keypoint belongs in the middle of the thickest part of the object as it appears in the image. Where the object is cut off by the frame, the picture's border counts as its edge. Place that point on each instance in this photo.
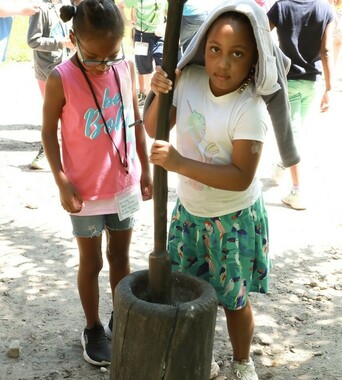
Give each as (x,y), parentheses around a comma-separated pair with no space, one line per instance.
(298,324)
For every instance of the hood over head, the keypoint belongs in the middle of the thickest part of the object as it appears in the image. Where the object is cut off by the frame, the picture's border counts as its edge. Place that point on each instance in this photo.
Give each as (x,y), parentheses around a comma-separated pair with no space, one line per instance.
(266,74)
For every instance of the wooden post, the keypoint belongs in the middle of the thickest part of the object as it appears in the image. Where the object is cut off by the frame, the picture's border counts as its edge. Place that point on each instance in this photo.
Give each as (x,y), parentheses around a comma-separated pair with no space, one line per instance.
(159,261)
(163,322)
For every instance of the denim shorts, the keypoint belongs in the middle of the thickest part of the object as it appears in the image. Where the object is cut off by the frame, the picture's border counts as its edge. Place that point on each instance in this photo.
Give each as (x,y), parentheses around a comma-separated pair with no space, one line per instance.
(144,64)
(94,225)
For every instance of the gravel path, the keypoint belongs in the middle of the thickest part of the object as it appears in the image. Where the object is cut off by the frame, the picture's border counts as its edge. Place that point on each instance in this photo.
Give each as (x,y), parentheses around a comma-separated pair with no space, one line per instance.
(298,325)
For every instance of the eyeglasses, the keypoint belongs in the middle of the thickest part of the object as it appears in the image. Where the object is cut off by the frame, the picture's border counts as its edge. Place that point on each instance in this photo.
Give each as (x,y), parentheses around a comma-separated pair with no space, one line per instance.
(94,62)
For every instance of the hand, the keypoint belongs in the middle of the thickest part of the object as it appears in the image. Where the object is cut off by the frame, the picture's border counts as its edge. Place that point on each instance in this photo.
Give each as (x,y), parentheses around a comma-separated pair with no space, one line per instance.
(30,8)
(71,199)
(166,156)
(325,102)
(146,186)
(160,83)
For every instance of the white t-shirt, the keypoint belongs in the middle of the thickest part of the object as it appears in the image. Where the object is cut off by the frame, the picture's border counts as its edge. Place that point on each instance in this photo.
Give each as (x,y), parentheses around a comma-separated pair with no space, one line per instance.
(206,128)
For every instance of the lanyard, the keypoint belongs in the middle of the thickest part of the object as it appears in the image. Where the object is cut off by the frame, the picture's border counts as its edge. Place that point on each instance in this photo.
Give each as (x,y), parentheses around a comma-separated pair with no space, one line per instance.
(123,161)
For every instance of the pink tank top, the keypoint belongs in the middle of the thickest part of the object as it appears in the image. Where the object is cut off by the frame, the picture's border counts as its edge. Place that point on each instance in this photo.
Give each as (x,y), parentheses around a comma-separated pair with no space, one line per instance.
(92,160)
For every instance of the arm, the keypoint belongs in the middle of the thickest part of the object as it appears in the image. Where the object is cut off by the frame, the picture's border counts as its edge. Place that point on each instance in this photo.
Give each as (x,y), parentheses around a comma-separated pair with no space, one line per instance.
(128,21)
(236,176)
(141,146)
(159,84)
(272,26)
(18,8)
(327,63)
(38,36)
(53,104)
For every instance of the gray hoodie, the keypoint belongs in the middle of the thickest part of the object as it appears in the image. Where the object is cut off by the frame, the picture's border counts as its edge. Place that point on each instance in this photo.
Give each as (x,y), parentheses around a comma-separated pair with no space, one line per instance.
(45,35)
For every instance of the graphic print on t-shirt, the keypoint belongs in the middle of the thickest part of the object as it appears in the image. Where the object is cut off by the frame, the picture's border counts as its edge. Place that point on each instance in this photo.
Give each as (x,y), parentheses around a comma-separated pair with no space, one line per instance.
(196,140)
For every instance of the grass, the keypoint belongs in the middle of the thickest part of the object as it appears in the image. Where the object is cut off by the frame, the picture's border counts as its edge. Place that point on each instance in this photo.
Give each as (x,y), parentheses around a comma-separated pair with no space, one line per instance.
(18,50)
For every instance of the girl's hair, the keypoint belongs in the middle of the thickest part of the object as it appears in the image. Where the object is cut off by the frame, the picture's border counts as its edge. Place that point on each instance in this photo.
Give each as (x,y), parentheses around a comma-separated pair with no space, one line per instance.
(235,16)
(94,17)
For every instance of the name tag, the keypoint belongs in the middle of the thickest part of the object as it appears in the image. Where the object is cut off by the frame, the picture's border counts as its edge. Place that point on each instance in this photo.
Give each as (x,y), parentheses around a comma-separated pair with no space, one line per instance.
(128,202)
(140,48)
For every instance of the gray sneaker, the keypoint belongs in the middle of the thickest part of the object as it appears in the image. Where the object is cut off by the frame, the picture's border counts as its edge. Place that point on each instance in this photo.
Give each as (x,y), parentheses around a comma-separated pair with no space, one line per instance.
(96,347)
(141,99)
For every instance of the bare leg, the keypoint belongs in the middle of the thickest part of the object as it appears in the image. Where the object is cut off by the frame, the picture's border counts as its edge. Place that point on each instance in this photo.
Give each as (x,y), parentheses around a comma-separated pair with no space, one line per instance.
(88,273)
(118,243)
(240,325)
(147,79)
(144,82)
(294,170)
(141,83)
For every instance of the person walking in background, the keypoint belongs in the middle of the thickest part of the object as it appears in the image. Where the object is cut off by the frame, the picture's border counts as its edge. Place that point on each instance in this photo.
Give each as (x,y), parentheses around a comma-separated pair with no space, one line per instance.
(337,5)
(194,14)
(148,38)
(9,9)
(219,226)
(141,78)
(104,169)
(49,38)
(305,34)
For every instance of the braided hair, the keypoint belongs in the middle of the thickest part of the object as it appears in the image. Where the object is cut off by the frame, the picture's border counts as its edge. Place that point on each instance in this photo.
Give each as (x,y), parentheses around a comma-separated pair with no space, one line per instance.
(94,17)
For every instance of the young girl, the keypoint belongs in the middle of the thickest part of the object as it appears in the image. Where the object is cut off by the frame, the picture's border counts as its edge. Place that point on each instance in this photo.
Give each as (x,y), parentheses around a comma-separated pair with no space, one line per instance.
(219,226)
(104,166)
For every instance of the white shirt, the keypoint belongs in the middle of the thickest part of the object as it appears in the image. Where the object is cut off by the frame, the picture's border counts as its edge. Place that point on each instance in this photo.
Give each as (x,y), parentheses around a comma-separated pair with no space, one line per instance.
(206,128)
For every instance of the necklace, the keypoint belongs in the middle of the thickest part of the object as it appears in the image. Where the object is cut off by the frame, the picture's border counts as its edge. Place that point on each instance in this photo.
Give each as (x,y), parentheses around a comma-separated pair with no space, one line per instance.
(247,81)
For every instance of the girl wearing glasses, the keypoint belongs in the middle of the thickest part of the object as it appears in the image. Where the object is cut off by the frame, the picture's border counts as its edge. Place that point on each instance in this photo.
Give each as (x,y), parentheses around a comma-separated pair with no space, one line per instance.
(102,170)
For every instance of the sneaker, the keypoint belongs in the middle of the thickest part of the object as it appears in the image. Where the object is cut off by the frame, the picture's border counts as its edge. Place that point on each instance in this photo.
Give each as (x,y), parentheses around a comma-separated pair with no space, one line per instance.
(215,369)
(141,99)
(96,348)
(109,327)
(278,173)
(294,200)
(40,160)
(244,370)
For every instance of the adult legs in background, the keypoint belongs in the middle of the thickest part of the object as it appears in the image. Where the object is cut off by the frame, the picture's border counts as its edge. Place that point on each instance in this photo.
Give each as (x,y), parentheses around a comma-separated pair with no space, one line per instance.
(302,97)
(189,27)
(40,162)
